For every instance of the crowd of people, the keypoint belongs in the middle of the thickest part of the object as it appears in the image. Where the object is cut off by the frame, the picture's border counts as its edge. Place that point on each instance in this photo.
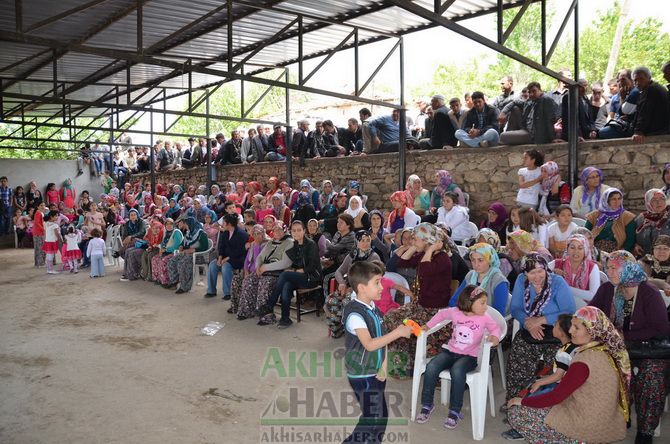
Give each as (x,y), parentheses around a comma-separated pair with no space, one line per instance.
(543,261)
(634,106)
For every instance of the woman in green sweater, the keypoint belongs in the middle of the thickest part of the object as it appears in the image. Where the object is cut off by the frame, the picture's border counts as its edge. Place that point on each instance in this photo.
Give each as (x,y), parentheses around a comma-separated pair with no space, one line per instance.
(612,226)
(180,267)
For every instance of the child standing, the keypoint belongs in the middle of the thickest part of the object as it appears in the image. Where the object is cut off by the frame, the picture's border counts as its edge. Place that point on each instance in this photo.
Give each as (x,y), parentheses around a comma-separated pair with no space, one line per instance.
(530,177)
(365,356)
(38,234)
(470,321)
(96,253)
(51,239)
(72,251)
(562,361)
(52,196)
(560,231)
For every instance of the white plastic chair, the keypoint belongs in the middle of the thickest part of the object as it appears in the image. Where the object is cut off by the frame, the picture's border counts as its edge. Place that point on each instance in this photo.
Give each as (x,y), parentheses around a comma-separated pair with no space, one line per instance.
(399,280)
(603,277)
(113,244)
(196,266)
(466,198)
(499,349)
(16,238)
(479,381)
(472,235)
(579,221)
(462,250)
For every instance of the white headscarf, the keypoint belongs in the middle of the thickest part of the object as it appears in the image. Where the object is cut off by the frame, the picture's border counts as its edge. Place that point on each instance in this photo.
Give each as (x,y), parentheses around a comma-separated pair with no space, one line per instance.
(351,211)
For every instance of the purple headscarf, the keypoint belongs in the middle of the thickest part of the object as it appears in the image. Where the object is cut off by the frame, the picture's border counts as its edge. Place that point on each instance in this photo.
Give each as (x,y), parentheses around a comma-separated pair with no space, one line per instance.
(500,210)
(584,177)
(606,212)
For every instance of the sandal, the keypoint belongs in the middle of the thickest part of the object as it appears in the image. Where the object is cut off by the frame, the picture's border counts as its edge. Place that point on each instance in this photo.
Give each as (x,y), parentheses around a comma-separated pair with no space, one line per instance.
(452,420)
(424,416)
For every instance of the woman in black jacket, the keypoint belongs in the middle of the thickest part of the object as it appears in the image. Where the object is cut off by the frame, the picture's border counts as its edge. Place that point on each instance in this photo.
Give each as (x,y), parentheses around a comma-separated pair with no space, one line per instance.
(304,272)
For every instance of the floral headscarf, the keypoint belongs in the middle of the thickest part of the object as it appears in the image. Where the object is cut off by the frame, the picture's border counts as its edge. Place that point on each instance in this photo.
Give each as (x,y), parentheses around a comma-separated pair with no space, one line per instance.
(583,179)
(194,230)
(552,171)
(445,182)
(427,232)
(490,237)
(501,220)
(531,262)
(491,257)
(277,207)
(155,239)
(356,185)
(649,217)
(303,200)
(409,187)
(524,240)
(606,338)
(630,275)
(606,212)
(578,278)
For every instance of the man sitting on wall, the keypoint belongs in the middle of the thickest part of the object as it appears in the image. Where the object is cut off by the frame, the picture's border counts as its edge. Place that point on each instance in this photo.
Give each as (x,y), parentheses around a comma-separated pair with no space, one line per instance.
(456,113)
(537,118)
(385,130)
(443,131)
(481,124)
(652,109)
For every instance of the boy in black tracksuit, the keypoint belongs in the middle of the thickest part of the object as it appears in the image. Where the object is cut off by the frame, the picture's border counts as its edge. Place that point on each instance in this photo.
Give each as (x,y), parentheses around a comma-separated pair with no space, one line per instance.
(365,358)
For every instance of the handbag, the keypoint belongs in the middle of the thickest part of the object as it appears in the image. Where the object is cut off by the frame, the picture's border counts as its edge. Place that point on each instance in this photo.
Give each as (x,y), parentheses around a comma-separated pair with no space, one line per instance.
(547,339)
(141,244)
(654,348)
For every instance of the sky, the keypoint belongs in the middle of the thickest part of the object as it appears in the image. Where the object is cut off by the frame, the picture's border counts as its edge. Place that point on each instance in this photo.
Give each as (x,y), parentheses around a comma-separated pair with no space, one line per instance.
(426,50)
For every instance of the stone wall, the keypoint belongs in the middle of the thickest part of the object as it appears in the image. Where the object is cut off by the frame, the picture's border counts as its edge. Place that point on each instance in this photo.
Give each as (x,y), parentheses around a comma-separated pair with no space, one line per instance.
(486,174)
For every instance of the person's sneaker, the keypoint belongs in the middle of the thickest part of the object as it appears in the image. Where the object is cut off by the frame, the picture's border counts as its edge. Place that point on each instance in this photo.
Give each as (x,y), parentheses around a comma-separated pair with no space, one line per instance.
(424,415)
(451,421)
(210,295)
(53,272)
(226,297)
(124,279)
(484,143)
(241,317)
(284,323)
(512,435)
(267,319)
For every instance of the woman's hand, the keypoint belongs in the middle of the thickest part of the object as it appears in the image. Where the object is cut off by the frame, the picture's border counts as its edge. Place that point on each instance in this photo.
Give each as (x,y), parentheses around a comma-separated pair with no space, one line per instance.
(514,401)
(260,270)
(342,289)
(559,272)
(638,251)
(535,387)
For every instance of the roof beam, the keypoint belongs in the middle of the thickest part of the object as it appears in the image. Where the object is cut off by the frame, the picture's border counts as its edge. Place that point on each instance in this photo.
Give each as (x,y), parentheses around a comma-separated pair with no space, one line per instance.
(515,21)
(62,15)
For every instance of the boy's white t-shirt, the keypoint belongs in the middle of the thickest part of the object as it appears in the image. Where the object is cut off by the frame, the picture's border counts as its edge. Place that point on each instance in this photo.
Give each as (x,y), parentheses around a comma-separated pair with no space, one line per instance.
(558,235)
(356,321)
(530,195)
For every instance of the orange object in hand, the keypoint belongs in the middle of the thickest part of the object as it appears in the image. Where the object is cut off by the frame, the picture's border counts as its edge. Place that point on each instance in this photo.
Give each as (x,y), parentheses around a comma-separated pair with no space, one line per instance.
(416,328)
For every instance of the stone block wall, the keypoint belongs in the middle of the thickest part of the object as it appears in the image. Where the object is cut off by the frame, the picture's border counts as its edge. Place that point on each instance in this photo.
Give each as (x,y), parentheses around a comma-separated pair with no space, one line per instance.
(486,174)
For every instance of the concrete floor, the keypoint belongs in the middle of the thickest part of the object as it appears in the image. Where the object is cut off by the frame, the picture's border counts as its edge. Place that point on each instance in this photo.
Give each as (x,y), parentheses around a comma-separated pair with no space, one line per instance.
(101,361)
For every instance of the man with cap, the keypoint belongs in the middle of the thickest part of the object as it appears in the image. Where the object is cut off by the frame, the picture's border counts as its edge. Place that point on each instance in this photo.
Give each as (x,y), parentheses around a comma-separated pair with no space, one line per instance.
(442,135)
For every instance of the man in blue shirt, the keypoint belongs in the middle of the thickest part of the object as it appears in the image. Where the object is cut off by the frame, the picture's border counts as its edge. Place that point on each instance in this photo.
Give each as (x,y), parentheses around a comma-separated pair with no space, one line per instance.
(386,131)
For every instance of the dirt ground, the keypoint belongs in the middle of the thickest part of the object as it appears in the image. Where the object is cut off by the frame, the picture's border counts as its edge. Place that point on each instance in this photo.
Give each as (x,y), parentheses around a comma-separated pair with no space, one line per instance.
(102,361)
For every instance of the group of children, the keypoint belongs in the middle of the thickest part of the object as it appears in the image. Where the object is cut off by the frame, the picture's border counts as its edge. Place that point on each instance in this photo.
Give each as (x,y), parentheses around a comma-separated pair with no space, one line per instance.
(367,364)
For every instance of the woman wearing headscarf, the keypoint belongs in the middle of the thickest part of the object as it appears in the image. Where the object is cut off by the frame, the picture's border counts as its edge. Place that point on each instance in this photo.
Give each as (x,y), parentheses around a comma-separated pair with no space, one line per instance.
(359,214)
(130,204)
(431,289)
(652,222)
(586,197)
(148,205)
(273,187)
(443,183)
(198,211)
(335,302)
(539,296)
(519,244)
(174,209)
(377,233)
(657,264)
(486,274)
(34,195)
(272,260)
(579,270)
(280,210)
(304,209)
(176,193)
(314,233)
(401,216)
(553,190)
(154,238)
(180,267)
(418,196)
(590,403)
(354,189)
(635,308)
(172,240)
(488,236)
(68,193)
(133,259)
(496,220)
(247,306)
(133,230)
(612,226)
(214,191)
(211,228)
(327,194)
(243,194)
(312,193)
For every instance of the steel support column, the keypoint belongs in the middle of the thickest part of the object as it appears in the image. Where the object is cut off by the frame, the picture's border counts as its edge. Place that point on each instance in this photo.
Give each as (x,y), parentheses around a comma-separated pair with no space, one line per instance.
(208,156)
(576,50)
(152,155)
(289,135)
(573,96)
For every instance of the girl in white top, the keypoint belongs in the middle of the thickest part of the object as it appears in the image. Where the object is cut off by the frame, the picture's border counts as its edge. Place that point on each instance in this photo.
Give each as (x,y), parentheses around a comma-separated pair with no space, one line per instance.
(52,238)
(530,177)
(561,230)
(454,216)
(72,253)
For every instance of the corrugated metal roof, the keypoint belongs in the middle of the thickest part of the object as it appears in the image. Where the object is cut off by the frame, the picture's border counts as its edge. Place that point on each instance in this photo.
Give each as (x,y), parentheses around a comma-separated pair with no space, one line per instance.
(256,21)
